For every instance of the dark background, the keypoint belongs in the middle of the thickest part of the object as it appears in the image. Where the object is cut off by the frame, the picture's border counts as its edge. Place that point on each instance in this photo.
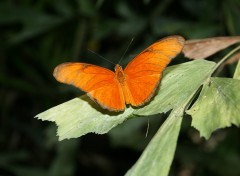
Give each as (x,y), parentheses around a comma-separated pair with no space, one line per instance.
(35,36)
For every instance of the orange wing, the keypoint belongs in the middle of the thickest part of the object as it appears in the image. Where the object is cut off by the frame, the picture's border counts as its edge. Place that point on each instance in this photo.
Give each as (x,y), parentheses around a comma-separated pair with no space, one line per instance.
(144,72)
(99,83)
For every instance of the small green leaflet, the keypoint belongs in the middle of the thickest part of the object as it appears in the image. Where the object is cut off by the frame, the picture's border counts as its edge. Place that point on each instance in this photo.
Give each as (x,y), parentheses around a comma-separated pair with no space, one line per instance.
(218,106)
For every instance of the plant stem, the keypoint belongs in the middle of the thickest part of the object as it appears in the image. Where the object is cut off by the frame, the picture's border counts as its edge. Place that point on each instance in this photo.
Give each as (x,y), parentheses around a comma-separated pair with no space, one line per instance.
(210,74)
(224,59)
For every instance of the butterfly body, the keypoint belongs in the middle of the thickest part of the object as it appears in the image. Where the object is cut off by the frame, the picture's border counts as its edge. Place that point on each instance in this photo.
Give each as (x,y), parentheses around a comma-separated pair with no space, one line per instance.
(121,77)
(134,85)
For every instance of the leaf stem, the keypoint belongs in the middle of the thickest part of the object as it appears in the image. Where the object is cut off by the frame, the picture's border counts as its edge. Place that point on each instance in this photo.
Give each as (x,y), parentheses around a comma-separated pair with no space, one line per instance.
(224,59)
(210,74)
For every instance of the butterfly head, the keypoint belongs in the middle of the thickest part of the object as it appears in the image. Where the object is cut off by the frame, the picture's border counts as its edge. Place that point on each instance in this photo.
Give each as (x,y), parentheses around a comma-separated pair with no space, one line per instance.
(117,68)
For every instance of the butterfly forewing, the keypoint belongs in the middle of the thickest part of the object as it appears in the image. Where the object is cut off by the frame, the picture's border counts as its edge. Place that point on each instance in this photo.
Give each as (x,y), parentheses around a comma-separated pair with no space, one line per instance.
(100,83)
(143,73)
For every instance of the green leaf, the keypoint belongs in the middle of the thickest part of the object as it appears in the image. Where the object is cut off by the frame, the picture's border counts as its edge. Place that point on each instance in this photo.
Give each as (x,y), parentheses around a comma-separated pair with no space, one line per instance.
(81,115)
(157,157)
(217,106)
(177,92)
(178,83)
(237,71)
(77,117)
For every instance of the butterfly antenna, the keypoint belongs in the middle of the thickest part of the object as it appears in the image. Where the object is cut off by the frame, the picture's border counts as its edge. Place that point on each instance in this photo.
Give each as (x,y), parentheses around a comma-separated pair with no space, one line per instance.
(147,129)
(126,50)
(101,56)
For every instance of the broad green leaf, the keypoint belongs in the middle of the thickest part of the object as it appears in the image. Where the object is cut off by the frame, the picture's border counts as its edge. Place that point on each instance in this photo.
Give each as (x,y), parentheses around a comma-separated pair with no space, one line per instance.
(78,117)
(237,71)
(176,93)
(179,82)
(157,157)
(81,115)
(218,106)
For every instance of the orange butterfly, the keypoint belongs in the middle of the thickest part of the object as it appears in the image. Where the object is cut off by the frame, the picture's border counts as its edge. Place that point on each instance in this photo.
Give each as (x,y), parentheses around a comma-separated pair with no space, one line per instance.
(135,85)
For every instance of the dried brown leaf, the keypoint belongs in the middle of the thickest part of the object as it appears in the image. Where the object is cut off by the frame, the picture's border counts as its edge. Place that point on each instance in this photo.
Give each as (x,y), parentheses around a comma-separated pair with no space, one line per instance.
(203,48)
